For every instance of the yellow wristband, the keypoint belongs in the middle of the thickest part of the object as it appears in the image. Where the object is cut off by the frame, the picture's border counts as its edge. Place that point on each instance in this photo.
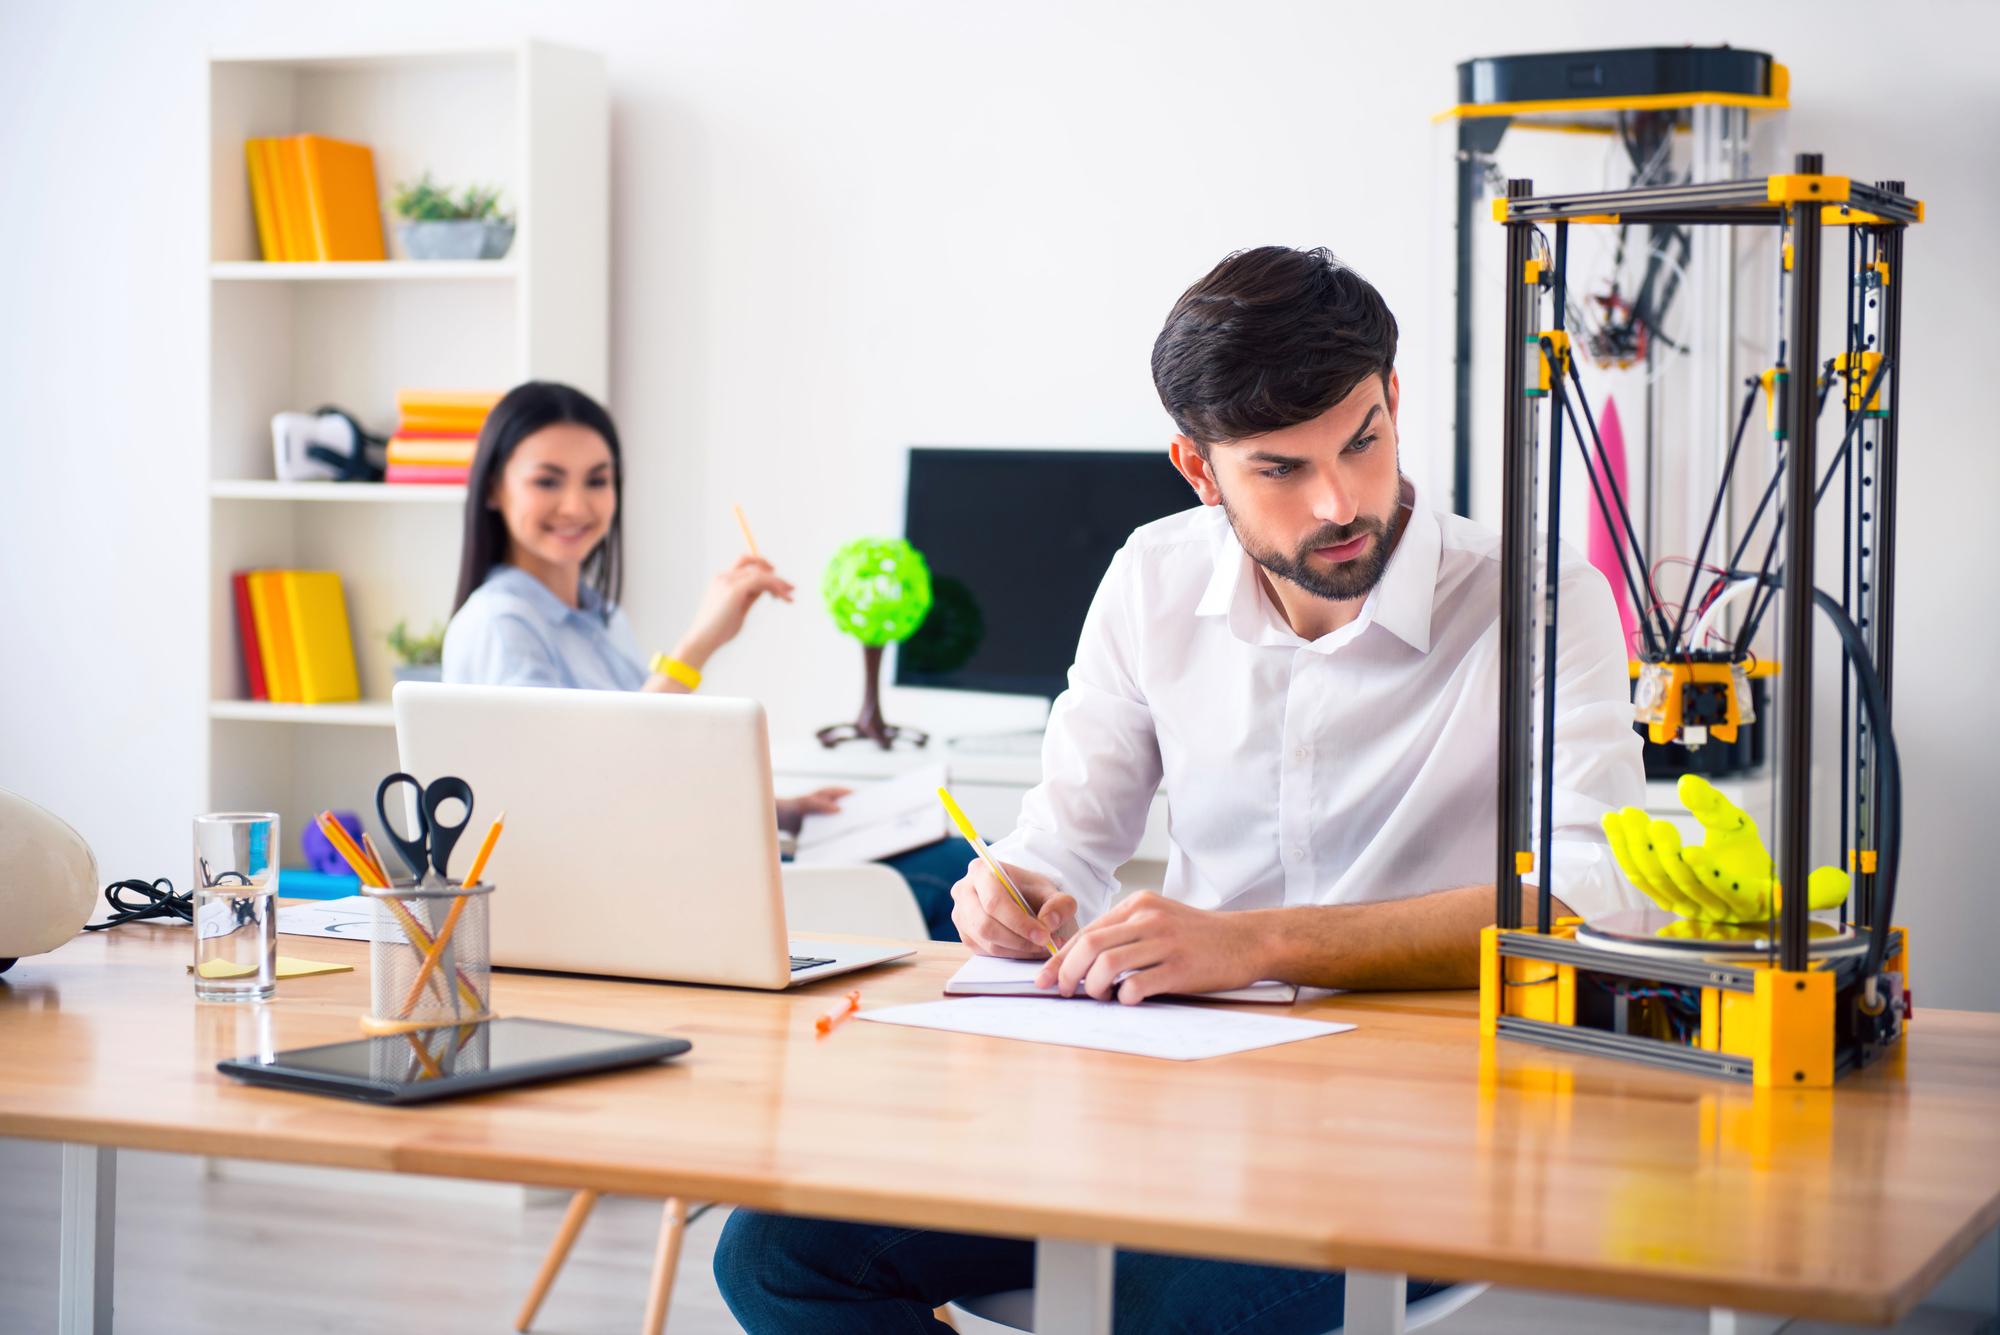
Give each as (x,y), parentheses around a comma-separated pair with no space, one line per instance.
(677,670)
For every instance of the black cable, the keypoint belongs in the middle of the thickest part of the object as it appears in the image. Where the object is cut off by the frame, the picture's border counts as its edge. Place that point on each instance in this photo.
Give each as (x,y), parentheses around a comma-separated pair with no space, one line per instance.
(155,899)
(1889,842)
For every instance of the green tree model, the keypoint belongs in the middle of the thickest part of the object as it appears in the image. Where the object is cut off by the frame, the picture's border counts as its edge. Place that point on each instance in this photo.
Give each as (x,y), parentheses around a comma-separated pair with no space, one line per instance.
(879,591)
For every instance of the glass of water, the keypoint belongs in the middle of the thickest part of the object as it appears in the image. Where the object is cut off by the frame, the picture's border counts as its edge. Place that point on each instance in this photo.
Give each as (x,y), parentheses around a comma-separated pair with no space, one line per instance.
(236,906)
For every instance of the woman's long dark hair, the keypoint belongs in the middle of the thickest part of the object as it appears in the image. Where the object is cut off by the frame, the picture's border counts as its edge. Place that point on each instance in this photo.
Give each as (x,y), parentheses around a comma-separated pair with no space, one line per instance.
(525,410)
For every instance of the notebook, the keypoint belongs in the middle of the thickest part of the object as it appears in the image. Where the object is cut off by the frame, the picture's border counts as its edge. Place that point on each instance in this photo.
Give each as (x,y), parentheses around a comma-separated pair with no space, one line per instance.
(986,976)
(274,636)
(342,215)
(323,650)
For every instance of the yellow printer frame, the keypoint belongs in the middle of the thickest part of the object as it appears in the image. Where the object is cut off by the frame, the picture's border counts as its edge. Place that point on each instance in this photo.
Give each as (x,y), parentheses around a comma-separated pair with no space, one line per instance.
(1792,1002)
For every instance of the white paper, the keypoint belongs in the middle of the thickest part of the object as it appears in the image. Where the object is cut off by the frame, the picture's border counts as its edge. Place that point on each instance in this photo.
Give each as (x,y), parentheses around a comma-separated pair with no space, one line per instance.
(878,821)
(991,975)
(1176,1033)
(349,919)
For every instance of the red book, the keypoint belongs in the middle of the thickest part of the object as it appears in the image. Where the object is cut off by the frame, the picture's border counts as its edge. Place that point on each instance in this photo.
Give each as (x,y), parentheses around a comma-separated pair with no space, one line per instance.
(246,636)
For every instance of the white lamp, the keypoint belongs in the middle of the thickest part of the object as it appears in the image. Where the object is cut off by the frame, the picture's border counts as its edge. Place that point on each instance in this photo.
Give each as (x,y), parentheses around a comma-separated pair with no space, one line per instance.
(48,880)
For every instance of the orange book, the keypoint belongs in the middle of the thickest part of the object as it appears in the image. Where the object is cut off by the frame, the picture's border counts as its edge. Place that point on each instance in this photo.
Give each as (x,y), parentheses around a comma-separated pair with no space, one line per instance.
(274,635)
(323,648)
(458,425)
(339,177)
(446,402)
(261,203)
(281,167)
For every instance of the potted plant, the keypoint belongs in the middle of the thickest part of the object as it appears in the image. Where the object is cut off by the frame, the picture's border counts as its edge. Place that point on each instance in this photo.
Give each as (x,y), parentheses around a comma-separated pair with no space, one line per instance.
(420,657)
(437,225)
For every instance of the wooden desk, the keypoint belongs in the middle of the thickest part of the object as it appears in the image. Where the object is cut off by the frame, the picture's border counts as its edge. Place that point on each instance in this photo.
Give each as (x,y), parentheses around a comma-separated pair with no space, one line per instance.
(1401,1147)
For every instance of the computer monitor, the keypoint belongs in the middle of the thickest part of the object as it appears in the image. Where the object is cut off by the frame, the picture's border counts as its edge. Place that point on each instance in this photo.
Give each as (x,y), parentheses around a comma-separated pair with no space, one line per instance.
(1017,541)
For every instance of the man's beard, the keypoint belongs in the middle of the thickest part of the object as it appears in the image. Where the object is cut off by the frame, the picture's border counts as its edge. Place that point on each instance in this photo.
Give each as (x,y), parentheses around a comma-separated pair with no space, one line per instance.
(1344,582)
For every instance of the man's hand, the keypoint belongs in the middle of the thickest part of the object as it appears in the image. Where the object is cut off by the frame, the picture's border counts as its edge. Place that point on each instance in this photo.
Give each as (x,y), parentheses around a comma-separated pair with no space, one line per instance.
(1726,878)
(991,922)
(1157,945)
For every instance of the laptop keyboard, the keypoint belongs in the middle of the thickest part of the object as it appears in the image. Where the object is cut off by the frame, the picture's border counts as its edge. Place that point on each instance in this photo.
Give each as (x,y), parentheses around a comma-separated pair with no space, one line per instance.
(808,962)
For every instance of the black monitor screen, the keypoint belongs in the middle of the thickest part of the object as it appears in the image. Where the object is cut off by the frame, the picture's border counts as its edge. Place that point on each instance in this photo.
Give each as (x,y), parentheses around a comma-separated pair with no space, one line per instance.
(1017,541)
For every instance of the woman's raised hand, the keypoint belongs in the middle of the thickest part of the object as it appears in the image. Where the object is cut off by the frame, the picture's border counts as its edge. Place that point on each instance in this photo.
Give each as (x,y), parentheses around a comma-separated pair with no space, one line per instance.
(727,602)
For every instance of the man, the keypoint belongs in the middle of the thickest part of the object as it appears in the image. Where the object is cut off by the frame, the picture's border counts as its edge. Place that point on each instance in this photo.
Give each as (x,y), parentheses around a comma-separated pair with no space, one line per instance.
(1309,662)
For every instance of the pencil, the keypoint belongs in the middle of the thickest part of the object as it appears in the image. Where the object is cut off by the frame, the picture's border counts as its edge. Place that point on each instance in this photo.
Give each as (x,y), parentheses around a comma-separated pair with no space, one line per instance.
(748,540)
(432,956)
(375,856)
(343,844)
(964,825)
(485,850)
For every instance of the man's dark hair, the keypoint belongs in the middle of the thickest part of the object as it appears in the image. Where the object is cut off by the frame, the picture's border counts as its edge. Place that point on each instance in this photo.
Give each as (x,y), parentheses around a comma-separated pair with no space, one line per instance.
(1272,337)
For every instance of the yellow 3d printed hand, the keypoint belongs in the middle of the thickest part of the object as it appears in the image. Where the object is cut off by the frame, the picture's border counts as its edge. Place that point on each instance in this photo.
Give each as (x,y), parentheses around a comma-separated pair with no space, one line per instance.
(1725,878)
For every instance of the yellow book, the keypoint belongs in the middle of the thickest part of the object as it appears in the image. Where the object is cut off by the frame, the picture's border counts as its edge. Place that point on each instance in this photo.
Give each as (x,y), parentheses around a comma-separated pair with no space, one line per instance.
(279,168)
(274,636)
(321,642)
(260,199)
(403,450)
(340,198)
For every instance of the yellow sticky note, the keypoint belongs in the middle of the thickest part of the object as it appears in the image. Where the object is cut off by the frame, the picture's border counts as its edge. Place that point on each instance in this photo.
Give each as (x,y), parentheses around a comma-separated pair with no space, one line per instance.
(287,968)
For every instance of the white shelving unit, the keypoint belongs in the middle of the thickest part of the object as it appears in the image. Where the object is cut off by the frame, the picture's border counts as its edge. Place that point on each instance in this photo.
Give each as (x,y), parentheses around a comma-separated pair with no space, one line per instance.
(529,117)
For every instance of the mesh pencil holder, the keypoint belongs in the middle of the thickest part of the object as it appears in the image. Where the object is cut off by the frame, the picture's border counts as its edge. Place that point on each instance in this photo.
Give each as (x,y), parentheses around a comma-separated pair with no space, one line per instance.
(430,962)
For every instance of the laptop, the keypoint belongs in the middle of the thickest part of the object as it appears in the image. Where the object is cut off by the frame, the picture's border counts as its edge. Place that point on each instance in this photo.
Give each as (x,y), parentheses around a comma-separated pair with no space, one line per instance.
(641,837)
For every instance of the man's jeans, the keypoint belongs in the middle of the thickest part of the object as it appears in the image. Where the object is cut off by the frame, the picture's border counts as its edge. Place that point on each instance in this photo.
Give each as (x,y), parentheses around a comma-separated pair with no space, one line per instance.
(781,1274)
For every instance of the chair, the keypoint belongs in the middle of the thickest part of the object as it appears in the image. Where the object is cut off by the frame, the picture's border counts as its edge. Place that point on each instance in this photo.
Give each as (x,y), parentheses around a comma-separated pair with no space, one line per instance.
(869,900)
(1012,1311)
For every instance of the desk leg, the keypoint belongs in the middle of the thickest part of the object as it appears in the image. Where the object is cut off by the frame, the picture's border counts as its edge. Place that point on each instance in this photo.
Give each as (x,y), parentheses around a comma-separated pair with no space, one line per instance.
(1374,1303)
(1727,1321)
(1072,1288)
(89,1217)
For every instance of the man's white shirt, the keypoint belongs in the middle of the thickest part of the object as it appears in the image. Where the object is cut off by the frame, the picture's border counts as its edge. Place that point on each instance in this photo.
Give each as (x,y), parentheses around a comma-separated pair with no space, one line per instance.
(1358,767)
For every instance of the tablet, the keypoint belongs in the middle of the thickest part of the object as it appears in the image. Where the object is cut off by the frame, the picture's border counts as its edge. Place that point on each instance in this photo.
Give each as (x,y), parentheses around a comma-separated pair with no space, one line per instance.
(429,1064)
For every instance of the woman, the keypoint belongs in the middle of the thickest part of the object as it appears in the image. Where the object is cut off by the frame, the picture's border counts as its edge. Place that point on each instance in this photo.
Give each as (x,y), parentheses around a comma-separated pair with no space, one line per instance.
(539,580)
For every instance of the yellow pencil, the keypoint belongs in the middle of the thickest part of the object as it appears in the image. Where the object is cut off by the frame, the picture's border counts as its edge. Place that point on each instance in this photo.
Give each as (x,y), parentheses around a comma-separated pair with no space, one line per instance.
(485,851)
(979,846)
(749,541)
(343,844)
(375,856)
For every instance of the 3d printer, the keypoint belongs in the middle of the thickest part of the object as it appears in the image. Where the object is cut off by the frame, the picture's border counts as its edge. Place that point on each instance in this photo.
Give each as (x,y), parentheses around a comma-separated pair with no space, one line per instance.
(1797,1000)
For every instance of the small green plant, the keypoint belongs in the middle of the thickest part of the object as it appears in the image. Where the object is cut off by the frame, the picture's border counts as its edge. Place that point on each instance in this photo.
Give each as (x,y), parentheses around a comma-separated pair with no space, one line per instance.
(417,650)
(423,200)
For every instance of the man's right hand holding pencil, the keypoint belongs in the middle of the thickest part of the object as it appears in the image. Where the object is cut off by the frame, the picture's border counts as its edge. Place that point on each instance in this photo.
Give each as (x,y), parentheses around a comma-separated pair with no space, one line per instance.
(991,922)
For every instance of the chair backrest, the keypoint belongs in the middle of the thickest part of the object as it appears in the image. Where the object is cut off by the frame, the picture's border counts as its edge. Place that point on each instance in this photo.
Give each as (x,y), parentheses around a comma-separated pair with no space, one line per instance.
(866,900)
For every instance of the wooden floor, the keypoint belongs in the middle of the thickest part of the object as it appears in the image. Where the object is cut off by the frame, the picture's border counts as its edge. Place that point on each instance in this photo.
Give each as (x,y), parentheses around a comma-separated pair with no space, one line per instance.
(257,1249)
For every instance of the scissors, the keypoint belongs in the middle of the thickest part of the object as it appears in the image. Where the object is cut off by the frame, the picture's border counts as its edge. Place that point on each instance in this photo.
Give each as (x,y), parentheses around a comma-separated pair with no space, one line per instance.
(433,840)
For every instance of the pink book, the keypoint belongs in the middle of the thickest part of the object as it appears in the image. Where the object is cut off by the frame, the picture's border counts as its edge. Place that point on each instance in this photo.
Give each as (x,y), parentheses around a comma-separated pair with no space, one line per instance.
(431,474)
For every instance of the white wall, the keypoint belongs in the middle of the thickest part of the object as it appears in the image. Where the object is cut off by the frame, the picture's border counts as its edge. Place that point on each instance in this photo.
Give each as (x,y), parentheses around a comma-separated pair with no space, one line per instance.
(843,229)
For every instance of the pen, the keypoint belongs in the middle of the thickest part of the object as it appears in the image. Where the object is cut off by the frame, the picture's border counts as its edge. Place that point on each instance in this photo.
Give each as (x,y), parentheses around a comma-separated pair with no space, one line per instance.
(831,1021)
(979,846)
